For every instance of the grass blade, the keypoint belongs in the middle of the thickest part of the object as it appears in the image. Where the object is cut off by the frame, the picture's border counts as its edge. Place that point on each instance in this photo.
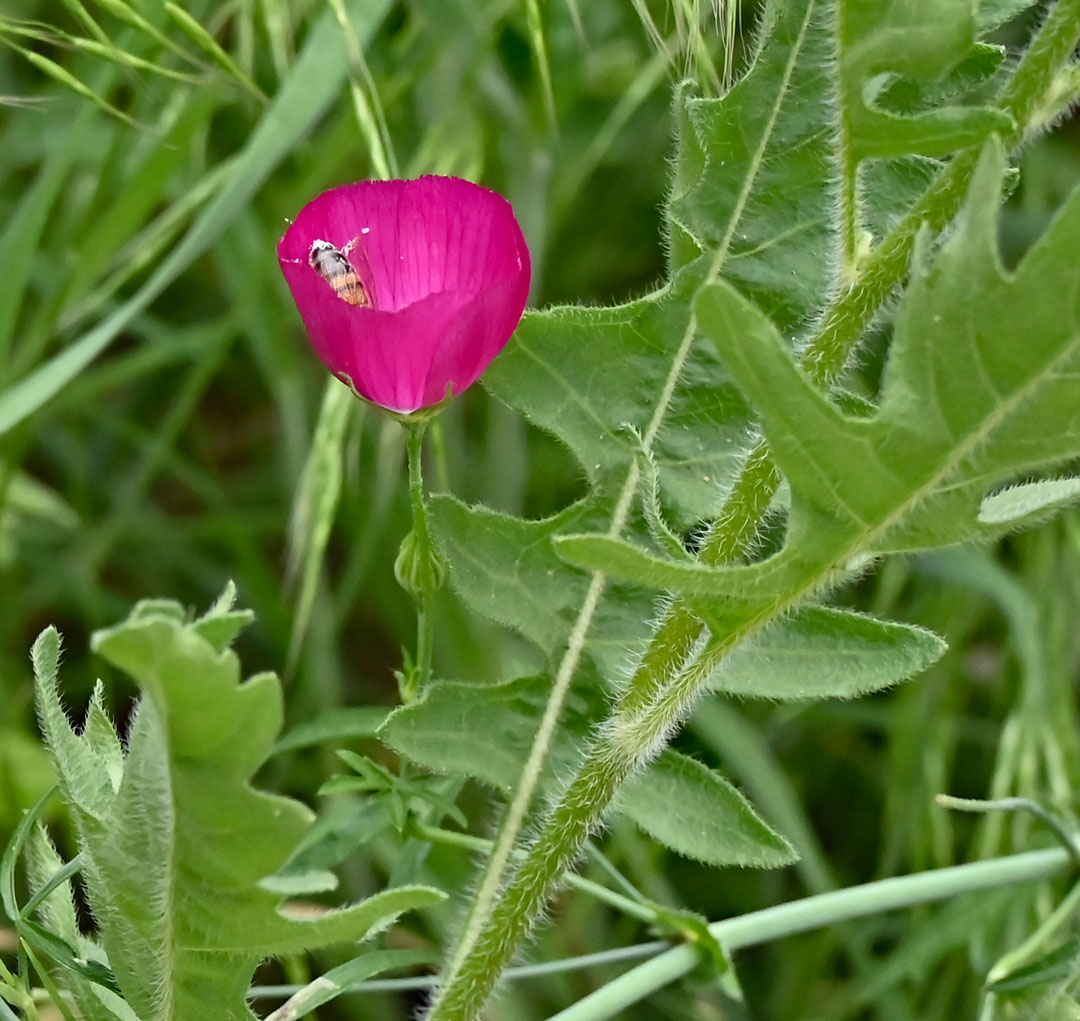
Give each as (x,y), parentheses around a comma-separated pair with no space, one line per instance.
(310,89)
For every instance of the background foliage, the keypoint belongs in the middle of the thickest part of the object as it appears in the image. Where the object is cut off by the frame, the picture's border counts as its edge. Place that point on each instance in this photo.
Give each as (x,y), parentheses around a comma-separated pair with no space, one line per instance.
(158,403)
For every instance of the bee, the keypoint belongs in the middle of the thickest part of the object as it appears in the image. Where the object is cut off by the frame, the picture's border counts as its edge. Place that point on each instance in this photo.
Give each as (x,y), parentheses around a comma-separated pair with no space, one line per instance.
(332,264)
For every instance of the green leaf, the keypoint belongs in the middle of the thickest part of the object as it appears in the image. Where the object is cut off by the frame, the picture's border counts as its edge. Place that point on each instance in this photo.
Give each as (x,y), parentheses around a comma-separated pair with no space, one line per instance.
(756,169)
(591,376)
(333,725)
(693,810)
(57,915)
(922,39)
(1054,966)
(992,14)
(1027,502)
(85,775)
(221,623)
(101,740)
(485,731)
(57,910)
(629,562)
(506,569)
(979,388)
(820,652)
(61,953)
(752,168)
(338,980)
(300,884)
(175,853)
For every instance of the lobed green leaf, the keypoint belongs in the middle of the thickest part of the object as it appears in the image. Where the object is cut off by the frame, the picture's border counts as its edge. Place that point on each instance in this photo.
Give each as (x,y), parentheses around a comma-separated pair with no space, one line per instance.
(176,841)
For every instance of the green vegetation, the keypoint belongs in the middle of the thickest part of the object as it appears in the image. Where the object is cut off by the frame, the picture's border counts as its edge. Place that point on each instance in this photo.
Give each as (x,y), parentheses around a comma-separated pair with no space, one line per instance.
(794,421)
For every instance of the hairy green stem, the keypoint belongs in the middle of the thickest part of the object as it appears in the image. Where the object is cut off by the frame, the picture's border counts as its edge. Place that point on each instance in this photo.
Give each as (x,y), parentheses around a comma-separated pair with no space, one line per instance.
(491,879)
(638,909)
(644,718)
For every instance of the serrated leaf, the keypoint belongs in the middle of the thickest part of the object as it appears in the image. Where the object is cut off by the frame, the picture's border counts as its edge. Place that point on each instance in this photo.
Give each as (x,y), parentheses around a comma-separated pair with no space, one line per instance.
(85,774)
(175,854)
(756,169)
(752,168)
(57,909)
(693,810)
(979,387)
(100,736)
(57,915)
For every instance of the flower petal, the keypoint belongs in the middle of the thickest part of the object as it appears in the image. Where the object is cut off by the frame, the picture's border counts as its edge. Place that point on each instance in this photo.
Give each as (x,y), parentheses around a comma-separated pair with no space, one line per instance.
(447,272)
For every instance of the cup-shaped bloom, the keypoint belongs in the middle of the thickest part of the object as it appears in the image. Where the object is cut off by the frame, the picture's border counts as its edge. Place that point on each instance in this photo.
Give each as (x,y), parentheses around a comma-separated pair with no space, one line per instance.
(408,289)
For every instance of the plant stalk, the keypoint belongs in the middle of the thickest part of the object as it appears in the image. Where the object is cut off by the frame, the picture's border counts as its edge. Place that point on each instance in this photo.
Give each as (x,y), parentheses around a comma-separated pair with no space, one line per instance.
(814,913)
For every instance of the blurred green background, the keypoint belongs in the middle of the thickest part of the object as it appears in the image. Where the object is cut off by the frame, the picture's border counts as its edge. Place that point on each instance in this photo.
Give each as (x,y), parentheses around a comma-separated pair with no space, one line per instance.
(170,461)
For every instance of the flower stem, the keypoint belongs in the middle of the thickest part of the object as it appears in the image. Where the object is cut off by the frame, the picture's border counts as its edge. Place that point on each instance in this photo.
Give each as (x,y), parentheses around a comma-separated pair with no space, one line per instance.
(415,448)
(419,568)
(425,637)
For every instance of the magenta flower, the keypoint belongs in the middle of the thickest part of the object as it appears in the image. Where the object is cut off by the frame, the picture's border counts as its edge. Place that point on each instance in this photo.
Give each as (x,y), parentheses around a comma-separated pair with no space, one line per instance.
(408,289)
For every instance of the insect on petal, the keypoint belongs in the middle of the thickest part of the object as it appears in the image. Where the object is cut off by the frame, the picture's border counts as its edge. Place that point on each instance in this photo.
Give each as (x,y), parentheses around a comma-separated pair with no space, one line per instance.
(408,289)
